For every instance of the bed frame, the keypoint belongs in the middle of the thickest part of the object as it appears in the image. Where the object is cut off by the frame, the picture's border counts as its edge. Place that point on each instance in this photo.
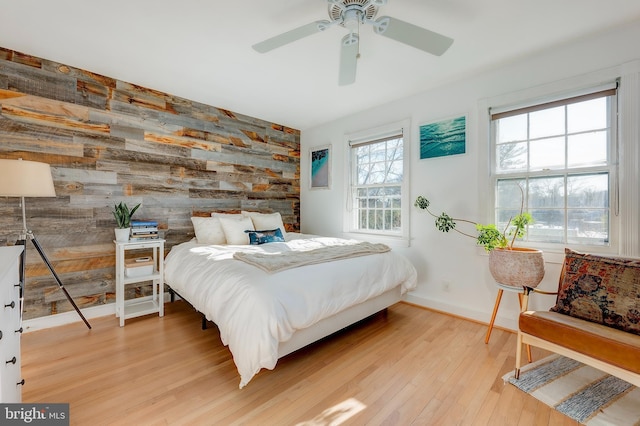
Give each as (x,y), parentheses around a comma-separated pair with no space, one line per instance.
(337,322)
(329,325)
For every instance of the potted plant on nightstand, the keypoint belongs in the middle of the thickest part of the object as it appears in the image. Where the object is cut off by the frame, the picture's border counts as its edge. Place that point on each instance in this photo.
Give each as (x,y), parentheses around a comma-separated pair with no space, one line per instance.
(509,265)
(122,214)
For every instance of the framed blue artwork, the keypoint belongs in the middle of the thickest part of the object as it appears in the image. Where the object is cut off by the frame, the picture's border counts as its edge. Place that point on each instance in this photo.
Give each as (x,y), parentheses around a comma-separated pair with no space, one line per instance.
(443,138)
(320,170)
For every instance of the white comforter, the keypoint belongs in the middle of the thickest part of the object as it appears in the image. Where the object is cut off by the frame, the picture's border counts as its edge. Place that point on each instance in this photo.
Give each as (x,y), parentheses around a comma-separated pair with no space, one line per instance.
(255,310)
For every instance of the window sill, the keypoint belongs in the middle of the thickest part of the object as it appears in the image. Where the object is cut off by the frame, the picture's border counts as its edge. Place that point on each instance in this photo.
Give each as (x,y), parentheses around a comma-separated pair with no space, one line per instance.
(391,241)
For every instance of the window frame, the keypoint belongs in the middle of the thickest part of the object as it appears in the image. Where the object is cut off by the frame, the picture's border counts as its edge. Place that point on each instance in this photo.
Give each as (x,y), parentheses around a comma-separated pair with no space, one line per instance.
(366,136)
(611,166)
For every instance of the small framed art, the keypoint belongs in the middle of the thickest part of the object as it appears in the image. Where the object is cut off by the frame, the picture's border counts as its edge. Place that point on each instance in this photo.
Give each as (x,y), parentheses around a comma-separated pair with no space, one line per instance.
(443,138)
(320,167)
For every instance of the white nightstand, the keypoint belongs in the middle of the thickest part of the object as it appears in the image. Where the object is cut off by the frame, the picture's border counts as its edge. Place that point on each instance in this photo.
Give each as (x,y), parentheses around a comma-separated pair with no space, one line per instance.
(131,308)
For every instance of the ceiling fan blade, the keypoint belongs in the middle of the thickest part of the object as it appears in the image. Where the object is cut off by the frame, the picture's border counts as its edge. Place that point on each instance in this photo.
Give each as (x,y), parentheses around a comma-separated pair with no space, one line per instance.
(412,35)
(291,36)
(348,59)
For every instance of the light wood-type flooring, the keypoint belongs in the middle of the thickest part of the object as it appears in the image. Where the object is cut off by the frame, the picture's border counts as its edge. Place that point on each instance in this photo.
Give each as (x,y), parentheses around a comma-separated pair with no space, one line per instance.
(410,367)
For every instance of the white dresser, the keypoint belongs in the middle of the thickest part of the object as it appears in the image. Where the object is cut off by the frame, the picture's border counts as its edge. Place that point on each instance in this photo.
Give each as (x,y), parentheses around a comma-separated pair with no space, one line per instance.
(10,325)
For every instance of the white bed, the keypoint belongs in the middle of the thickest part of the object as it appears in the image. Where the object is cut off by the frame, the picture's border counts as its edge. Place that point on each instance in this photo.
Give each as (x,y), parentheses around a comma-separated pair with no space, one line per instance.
(263,316)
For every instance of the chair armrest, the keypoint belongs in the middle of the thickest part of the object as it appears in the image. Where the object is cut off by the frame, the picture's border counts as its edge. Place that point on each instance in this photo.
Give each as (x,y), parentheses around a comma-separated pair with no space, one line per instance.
(525,298)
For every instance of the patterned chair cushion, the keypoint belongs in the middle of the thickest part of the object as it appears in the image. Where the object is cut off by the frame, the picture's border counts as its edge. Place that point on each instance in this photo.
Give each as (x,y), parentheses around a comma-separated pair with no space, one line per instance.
(604,290)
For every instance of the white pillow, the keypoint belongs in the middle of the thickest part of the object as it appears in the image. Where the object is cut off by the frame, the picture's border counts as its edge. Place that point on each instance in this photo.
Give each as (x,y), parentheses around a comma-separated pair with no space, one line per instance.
(266,221)
(208,230)
(234,229)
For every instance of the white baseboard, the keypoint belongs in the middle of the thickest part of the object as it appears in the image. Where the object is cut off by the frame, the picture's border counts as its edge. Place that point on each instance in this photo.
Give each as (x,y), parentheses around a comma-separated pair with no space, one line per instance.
(507,322)
(71,317)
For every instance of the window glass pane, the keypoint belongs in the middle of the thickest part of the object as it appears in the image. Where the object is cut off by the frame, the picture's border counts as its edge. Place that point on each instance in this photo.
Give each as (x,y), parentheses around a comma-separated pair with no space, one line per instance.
(376,173)
(393,172)
(397,215)
(546,153)
(548,122)
(378,151)
(363,174)
(587,115)
(509,195)
(548,225)
(362,154)
(378,220)
(387,219)
(588,226)
(511,129)
(587,149)
(546,192)
(511,157)
(395,149)
(588,190)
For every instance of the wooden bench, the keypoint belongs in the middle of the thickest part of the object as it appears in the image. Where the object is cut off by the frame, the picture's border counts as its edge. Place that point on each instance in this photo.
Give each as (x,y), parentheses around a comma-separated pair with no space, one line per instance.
(584,324)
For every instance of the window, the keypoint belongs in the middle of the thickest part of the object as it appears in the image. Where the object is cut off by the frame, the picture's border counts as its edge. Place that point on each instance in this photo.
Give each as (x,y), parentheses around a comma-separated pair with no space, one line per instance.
(561,155)
(377,182)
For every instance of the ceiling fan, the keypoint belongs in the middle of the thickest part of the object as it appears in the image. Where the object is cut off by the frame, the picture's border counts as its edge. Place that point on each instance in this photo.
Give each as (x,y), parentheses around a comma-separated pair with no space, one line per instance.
(350,14)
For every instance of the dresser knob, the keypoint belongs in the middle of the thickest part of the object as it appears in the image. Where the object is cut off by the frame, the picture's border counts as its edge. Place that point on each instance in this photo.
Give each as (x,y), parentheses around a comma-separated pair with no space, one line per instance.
(0,334)
(12,361)
(11,305)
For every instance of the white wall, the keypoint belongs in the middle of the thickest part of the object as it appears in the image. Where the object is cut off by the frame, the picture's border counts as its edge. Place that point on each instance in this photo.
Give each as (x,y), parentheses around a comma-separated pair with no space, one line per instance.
(457,184)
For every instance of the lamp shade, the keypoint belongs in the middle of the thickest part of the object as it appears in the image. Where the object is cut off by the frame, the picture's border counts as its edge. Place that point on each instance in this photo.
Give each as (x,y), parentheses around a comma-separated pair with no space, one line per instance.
(21,178)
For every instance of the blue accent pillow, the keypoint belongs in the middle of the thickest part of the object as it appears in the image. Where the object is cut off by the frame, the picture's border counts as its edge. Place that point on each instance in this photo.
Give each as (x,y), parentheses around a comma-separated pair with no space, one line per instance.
(263,237)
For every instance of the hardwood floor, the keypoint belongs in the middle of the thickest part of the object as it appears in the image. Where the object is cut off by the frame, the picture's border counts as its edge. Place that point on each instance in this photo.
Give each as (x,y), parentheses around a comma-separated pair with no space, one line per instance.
(410,367)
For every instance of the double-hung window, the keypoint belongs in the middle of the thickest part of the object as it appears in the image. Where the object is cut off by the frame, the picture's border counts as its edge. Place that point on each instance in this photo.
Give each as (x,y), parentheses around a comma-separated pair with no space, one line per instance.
(377,185)
(561,156)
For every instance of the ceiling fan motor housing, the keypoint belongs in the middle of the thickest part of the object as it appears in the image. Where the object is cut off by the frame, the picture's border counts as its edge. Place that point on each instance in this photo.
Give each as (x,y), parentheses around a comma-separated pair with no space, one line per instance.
(349,13)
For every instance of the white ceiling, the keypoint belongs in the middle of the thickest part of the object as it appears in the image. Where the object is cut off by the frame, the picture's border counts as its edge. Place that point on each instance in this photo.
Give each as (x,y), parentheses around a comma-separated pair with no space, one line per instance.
(201,50)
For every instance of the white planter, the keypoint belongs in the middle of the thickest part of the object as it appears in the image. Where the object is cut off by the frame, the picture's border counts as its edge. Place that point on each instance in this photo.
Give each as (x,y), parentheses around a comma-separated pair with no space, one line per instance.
(122,234)
(517,267)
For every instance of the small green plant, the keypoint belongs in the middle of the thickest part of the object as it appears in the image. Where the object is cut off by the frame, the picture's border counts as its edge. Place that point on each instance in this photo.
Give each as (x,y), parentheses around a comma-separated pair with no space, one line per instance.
(488,236)
(123,214)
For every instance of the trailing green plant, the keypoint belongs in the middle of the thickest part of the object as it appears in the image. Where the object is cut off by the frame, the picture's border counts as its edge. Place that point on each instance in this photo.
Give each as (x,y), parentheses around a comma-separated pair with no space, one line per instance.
(123,214)
(488,236)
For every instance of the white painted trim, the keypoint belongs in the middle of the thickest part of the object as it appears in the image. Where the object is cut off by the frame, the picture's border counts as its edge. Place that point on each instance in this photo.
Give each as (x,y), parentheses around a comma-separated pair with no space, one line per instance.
(506,322)
(71,317)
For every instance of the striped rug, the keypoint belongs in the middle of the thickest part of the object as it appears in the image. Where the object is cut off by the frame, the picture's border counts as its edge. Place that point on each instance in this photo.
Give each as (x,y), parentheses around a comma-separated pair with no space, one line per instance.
(583,393)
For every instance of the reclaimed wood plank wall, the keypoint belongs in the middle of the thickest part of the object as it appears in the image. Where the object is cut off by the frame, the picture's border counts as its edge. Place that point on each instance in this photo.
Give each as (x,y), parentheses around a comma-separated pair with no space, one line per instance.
(109,141)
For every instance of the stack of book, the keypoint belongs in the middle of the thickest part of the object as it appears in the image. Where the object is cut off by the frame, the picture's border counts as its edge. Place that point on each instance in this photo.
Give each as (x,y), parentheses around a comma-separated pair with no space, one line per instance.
(144,230)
